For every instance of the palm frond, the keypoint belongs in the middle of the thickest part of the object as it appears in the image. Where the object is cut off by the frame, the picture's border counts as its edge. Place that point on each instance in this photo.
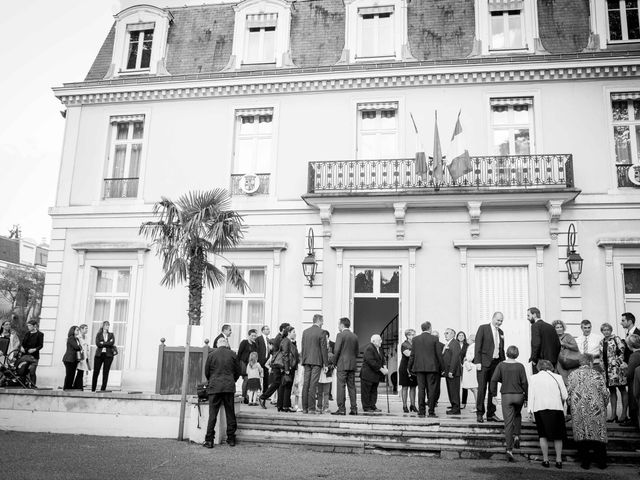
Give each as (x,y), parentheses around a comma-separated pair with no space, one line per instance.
(235,278)
(213,275)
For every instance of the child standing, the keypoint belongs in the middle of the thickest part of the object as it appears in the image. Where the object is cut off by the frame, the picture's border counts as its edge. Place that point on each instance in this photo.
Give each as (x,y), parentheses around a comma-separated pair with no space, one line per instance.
(254,378)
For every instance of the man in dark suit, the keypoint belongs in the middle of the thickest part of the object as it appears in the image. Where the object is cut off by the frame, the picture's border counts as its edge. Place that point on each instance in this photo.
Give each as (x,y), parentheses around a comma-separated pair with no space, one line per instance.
(436,334)
(452,370)
(275,378)
(628,322)
(426,362)
(345,358)
(545,343)
(222,370)
(489,352)
(371,374)
(262,343)
(225,333)
(315,357)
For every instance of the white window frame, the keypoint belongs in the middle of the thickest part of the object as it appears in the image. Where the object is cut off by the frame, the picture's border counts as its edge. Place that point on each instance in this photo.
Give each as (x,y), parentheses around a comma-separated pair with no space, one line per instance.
(353,31)
(377,107)
(635,154)
(512,125)
(505,24)
(245,298)
(280,8)
(140,17)
(111,145)
(256,113)
(142,37)
(623,23)
(529,22)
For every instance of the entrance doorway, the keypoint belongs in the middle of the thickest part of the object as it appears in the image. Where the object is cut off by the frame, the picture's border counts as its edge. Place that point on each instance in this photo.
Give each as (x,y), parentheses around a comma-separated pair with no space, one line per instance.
(376,307)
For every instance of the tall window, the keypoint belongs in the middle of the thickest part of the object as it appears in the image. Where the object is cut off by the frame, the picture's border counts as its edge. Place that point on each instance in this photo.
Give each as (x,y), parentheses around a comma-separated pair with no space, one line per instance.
(507,30)
(140,44)
(378,130)
(254,133)
(512,126)
(375,25)
(111,303)
(625,108)
(127,133)
(260,44)
(624,20)
(246,311)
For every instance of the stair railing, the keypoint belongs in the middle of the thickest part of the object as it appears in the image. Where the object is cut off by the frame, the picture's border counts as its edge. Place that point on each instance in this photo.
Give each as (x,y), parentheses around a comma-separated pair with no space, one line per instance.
(390,337)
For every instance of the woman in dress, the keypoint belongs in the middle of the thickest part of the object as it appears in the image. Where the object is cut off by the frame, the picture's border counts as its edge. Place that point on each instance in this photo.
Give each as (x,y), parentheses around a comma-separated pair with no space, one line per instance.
(588,396)
(615,371)
(13,342)
(513,379)
(469,373)
(567,344)
(407,381)
(461,337)
(83,363)
(70,357)
(547,394)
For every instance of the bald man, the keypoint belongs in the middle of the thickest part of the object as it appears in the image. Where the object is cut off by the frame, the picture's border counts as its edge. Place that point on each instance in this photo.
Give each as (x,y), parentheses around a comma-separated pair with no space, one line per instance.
(372,373)
(489,352)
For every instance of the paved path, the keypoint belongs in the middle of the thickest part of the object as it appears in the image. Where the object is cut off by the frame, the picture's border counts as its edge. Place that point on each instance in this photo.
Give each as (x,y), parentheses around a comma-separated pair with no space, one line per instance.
(52,456)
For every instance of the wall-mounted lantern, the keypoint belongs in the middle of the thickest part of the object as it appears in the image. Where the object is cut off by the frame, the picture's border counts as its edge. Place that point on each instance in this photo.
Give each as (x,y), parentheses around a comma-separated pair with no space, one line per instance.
(309,264)
(574,260)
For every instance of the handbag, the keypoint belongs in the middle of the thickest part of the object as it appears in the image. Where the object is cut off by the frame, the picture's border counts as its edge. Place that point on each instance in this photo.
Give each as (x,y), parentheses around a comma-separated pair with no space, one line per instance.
(569,359)
(80,355)
(114,350)
(287,379)
(278,360)
(201,391)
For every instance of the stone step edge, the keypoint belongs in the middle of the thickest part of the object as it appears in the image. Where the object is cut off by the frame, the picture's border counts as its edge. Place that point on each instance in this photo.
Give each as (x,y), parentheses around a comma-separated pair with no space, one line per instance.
(530,436)
(633,457)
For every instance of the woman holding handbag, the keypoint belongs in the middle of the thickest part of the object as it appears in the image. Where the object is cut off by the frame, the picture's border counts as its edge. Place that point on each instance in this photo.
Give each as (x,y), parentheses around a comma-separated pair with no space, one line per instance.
(83,358)
(568,360)
(71,357)
(105,351)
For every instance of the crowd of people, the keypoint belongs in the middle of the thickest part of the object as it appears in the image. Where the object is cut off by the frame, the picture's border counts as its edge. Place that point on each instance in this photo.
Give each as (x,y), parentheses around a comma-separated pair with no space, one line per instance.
(20,357)
(574,379)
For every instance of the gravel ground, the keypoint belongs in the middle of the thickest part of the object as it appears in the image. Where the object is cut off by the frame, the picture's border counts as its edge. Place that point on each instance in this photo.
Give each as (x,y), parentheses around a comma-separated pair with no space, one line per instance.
(53,456)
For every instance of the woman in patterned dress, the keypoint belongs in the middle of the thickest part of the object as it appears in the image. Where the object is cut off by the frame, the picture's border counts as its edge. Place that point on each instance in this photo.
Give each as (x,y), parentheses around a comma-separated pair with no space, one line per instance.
(615,370)
(588,396)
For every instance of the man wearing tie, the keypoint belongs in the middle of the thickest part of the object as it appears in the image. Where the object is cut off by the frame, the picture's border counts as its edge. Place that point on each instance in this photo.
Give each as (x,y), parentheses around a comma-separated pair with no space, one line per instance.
(372,373)
(452,370)
(628,322)
(263,354)
(590,343)
(489,351)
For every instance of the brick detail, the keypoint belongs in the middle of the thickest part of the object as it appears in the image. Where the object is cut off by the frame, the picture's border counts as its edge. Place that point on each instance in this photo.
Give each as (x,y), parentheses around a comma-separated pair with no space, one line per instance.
(563,25)
(200,39)
(102,61)
(440,29)
(317,32)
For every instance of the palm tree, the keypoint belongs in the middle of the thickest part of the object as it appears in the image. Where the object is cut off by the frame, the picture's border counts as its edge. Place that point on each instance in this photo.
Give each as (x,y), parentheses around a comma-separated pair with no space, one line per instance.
(187,235)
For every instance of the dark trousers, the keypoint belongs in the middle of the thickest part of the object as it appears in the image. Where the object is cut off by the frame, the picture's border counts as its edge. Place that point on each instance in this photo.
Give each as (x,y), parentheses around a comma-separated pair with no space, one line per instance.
(309,387)
(453,390)
(275,378)
(465,394)
(104,362)
(368,394)
(32,371)
(69,376)
(346,378)
(265,378)
(585,447)
(484,378)
(284,393)
(215,401)
(427,383)
(511,412)
(244,387)
(78,383)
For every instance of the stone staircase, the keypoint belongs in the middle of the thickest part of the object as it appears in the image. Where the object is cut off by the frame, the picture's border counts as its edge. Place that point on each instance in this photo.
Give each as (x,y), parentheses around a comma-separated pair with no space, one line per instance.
(444,437)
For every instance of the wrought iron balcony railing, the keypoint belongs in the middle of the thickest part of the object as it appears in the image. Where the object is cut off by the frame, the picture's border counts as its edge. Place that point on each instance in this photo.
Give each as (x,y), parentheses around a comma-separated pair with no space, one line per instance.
(120,187)
(488,173)
(622,170)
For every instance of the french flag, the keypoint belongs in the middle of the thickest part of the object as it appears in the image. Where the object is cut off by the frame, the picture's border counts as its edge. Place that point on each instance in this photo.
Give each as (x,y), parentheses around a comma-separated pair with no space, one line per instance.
(458,158)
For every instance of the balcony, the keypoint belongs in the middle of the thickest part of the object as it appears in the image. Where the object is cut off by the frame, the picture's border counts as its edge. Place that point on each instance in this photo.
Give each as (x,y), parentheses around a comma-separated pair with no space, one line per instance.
(525,179)
(622,170)
(120,188)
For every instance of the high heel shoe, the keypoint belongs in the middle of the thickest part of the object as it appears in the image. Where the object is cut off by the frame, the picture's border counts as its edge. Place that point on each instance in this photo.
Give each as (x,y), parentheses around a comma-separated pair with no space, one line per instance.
(510,457)
(413,409)
(611,420)
(405,409)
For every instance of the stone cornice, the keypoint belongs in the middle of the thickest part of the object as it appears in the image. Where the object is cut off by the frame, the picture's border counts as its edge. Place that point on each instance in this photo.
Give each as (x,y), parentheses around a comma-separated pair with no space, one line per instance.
(417,74)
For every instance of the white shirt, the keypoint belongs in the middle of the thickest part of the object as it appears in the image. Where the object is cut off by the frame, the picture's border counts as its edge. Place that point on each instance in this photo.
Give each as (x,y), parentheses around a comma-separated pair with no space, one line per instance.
(546,392)
(496,341)
(594,344)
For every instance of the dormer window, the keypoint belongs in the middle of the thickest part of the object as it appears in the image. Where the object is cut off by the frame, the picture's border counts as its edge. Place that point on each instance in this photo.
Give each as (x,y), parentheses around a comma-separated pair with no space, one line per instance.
(376,31)
(261,38)
(261,35)
(507,28)
(140,43)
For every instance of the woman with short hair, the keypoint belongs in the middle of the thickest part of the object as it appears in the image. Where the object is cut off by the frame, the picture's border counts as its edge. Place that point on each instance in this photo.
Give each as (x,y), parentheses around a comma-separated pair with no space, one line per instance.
(588,396)
(513,377)
(105,351)
(569,352)
(547,394)
(615,371)
(70,357)
(407,381)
